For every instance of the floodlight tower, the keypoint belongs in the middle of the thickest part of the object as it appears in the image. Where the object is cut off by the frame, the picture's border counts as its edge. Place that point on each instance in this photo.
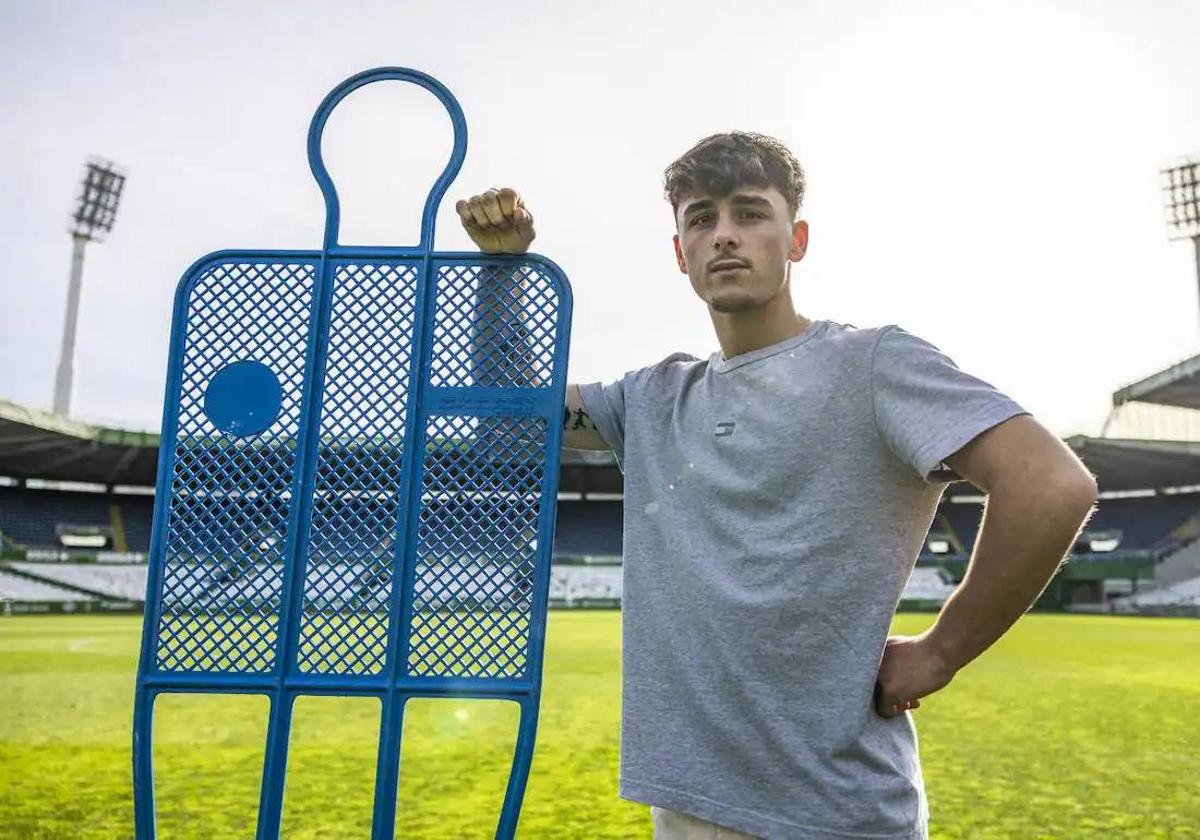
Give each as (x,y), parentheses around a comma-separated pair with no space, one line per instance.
(95,210)
(1181,195)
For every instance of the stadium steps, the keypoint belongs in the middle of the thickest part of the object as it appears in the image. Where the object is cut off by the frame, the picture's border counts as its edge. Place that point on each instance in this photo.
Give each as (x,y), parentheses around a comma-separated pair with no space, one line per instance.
(948,527)
(1184,594)
(1181,565)
(1182,535)
(117,523)
(49,581)
(8,541)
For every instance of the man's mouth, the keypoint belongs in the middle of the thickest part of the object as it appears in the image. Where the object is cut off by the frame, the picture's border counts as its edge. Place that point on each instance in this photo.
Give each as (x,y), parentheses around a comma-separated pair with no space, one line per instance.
(727,266)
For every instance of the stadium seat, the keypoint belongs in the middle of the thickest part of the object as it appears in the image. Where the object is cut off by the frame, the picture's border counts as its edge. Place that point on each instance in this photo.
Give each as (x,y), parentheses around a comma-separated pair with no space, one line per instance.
(122,582)
(16,588)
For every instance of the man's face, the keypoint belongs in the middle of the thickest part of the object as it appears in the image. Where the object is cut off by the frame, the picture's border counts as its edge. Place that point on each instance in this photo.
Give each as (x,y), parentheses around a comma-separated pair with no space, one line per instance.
(735,250)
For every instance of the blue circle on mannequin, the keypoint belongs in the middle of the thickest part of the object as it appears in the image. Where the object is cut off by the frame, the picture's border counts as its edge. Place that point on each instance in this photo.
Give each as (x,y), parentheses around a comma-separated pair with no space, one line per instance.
(243,398)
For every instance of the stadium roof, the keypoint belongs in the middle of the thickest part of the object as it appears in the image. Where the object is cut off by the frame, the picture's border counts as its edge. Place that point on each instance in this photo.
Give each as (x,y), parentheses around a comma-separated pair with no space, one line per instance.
(1178,385)
(1139,464)
(37,444)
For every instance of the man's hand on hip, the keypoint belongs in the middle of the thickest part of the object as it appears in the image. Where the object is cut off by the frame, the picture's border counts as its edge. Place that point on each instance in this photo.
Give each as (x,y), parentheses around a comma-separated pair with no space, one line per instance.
(911,668)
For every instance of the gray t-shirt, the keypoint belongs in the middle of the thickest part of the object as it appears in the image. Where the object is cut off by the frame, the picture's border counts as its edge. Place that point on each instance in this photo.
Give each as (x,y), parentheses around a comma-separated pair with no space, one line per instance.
(775,504)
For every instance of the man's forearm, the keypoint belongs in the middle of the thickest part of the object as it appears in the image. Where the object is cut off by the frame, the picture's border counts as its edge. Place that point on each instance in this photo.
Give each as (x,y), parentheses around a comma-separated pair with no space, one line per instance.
(1025,534)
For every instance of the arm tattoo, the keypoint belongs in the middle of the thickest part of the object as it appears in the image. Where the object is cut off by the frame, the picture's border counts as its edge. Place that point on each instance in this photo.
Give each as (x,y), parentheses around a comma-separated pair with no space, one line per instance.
(577,420)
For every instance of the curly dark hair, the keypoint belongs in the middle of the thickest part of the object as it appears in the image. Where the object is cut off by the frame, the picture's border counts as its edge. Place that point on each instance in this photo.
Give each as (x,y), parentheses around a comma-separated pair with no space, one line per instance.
(721,163)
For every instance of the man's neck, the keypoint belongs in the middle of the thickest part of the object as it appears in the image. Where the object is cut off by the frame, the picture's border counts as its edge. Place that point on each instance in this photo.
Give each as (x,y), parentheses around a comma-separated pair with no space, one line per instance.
(745,332)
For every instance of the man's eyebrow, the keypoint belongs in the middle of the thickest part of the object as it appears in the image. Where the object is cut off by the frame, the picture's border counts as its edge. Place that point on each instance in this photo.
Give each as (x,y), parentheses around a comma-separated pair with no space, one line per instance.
(740,198)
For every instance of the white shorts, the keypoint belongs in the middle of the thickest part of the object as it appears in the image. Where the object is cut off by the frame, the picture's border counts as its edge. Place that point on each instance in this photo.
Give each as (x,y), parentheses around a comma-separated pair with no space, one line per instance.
(671,825)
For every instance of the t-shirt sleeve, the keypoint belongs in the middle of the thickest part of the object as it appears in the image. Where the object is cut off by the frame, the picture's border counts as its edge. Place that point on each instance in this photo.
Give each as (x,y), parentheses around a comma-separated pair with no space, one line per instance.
(926,408)
(605,404)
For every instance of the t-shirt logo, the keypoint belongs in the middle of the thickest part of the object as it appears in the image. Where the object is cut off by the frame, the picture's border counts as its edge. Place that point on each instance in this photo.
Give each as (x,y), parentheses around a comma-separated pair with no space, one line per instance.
(725,429)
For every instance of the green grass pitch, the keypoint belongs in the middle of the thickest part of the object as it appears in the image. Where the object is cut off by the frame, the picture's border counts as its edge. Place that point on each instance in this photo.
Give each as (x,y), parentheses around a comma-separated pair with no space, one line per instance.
(1071,726)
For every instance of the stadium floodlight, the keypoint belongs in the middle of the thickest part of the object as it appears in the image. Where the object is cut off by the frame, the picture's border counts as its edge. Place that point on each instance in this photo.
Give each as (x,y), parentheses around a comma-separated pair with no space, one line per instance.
(95,211)
(96,205)
(1181,201)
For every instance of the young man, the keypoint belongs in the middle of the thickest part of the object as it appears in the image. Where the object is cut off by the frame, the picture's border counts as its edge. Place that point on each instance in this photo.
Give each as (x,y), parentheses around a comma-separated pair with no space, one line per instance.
(777,495)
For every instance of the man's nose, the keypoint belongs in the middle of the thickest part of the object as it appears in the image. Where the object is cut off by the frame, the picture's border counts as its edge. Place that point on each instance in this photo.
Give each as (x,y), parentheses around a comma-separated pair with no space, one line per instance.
(725,234)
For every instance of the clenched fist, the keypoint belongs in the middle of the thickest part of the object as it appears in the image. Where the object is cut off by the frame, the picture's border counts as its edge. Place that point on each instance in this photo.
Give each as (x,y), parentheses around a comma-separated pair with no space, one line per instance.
(497,221)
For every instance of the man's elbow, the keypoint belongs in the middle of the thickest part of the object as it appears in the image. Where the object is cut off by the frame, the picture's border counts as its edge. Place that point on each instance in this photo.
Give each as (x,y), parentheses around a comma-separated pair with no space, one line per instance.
(1083,483)
(1069,485)
(1075,488)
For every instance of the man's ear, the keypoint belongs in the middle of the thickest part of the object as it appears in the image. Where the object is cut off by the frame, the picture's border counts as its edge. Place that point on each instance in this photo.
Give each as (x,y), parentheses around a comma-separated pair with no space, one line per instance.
(679,254)
(799,241)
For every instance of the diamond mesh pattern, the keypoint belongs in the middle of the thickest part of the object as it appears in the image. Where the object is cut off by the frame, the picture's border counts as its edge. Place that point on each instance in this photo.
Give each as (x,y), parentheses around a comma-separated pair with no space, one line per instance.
(494,327)
(357,486)
(477,546)
(230,496)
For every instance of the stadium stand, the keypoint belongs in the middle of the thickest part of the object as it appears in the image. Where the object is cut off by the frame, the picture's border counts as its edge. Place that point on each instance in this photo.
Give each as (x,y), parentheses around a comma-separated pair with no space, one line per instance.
(137,513)
(1180,566)
(1145,523)
(1180,599)
(1160,530)
(588,528)
(570,584)
(125,582)
(255,588)
(926,584)
(443,582)
(343,587)
(964,519)
(336,586)
(188,582)
(17,588)
(29,517)
(604,583)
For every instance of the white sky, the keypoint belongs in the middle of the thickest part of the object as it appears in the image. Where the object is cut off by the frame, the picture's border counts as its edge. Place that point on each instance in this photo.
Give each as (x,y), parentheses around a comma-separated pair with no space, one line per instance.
(983,174)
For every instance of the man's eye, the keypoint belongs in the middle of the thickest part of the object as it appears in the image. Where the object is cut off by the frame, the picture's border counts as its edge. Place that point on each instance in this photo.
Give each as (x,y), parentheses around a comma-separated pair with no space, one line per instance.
(757,214)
